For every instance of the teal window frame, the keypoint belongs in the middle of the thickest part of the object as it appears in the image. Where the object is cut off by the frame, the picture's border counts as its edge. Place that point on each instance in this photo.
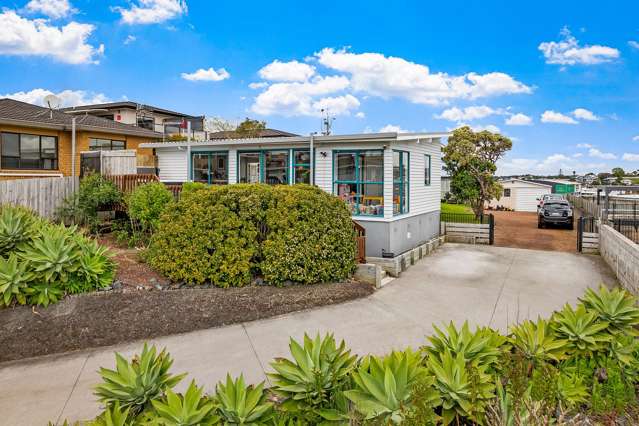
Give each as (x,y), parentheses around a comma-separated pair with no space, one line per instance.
(262,158)
(210,154)
(427,169)
(357,181)
(305,165)
(403,182)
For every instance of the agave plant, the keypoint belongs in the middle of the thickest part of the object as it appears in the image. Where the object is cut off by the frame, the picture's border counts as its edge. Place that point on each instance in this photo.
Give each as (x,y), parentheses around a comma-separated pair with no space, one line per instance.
(617,307)
(313,381)
(572,390)
(16,228)
(383,387)
(44,294)
(479,347)
(239,404)
(112,416)
(188,410)
(53,255)
(14,280)
(537,341)
(462,396)
(134,385)
(581,330)
(96,268)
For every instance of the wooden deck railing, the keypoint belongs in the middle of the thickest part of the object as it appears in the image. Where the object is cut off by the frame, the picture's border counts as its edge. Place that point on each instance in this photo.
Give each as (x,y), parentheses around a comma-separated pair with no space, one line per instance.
(360,239)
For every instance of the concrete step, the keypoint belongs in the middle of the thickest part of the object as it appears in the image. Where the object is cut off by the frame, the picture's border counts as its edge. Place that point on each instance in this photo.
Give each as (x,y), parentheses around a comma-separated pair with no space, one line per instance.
(384,274)
(386,280)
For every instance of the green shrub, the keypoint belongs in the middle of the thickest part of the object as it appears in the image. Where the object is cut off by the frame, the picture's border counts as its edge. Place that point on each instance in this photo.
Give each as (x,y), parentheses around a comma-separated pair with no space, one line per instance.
(228,235)
(147,203)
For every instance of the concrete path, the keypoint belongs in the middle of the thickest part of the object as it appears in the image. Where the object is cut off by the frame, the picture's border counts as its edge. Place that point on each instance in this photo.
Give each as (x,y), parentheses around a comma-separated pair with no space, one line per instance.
(493,286)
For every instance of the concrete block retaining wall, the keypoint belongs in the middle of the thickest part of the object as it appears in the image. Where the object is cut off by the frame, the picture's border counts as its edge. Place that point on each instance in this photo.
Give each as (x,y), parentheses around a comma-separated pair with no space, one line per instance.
(397,264)
(622,255)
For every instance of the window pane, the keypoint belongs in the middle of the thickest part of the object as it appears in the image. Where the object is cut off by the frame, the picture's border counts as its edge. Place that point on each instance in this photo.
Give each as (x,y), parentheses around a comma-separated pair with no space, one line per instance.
(201,168)
(371,166)
(29,152)
(302,157)
(10,145)
(118,145)
(372,199)
(219,169)
(49,152)
(396,165)
(302,174)
(426,169)
(276,163)
(250,167)
(345,166)
(348,193)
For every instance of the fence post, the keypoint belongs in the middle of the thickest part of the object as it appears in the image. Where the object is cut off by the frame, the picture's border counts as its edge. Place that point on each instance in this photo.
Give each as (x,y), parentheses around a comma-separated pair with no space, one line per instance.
(580,230)
(491,234)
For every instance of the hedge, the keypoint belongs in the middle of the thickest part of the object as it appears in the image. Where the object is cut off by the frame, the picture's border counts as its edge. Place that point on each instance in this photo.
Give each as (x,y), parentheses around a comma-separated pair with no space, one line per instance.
(229,235)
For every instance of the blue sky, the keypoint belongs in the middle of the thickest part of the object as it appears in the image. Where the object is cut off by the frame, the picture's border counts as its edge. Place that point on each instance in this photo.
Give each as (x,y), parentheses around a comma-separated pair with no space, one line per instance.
(559,78)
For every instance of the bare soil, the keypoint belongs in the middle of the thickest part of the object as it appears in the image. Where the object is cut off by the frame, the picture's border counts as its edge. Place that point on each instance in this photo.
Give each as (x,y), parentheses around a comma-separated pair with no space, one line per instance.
(109,318)
(519,229)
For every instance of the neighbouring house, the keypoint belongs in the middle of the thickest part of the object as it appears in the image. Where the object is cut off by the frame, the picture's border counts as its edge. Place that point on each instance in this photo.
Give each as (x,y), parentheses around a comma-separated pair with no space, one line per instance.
(265,133)
(521,195)
(38,142)
(561,186)
(148,117)
(390,181)
(445,186)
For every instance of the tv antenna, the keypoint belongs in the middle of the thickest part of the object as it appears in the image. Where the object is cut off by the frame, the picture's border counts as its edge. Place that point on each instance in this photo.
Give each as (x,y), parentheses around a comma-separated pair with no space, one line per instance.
(53,102)
(327,122)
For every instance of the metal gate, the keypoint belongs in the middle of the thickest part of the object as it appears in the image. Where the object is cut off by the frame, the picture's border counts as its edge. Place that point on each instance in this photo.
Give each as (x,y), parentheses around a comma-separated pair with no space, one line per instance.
(587,234)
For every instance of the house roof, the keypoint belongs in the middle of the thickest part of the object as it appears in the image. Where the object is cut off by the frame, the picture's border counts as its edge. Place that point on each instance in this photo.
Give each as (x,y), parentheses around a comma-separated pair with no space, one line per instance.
(289,140)
(124,104)
(549,182)
(531,182)
(23,114)
(266,133)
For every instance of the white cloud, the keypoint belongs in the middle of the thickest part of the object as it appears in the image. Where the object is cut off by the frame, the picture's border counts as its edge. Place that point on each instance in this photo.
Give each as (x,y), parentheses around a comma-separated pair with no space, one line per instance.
(68,43)
(360,115)
(300,98)
(287,71)
(391,128)
(584,114)
(54,9)
(337,105)
(556,117)
(377,75)
(549,165)
(519,119)
(567,51)
(152,11)
(69,97)
(634,44)
(630,157)
(468,113)
(260,85)
(595,153)
(577,155)
(584,145)
(129,39)
(207,75)
(636,138)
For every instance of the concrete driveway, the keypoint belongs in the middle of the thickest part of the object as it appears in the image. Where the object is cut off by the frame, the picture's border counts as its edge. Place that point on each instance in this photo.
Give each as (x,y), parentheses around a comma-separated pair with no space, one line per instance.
(493,286)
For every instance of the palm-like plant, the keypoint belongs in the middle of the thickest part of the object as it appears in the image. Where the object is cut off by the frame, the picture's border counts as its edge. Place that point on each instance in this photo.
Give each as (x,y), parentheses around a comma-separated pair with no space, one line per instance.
(113,416)
(53,255)
(96,268)
(14,280)
(479,347)
(537,341)
(383,387)
(313,380)
(16,228)
(137,383)
(461,395)
(581,330)
(239,404)
(44,294)
(191,409)
(617,307)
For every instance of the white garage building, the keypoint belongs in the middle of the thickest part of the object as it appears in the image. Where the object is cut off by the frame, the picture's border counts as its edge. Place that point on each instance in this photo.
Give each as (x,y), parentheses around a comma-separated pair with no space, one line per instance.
(521,195)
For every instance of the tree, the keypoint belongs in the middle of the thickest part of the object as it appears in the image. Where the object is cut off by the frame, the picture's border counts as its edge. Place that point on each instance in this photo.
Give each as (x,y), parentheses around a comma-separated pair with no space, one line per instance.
(219,124)
(250,128)
(470,158)
(619,173)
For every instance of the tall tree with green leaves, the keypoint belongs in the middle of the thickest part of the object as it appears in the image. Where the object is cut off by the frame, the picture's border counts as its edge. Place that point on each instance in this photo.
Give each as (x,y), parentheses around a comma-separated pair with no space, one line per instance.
(470,158)
(619,173)
(250,128)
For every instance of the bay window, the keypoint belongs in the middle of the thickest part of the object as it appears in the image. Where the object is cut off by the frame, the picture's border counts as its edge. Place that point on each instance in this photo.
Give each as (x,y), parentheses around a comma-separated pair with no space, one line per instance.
(210,167)
(31,152)
(400,182)
(359,181)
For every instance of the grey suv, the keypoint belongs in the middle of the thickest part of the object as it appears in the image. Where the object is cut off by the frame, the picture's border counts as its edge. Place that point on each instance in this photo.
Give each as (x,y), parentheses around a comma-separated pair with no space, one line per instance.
(555,212)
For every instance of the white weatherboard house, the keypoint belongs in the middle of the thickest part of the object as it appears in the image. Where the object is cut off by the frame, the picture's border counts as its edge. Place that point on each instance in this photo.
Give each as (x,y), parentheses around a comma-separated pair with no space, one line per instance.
(521,195)
(390,181)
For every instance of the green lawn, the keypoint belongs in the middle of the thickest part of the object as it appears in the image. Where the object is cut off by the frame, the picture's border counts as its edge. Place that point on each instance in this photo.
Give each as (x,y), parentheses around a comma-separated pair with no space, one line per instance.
(455,208)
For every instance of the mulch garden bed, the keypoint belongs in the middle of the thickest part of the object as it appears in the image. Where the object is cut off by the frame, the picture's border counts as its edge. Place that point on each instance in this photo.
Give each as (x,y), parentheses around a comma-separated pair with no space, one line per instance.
(109,318)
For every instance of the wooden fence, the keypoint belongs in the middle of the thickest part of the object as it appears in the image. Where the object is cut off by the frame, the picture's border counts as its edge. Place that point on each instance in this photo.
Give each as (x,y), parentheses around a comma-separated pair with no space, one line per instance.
(360,239)
(467,228)
(42,195)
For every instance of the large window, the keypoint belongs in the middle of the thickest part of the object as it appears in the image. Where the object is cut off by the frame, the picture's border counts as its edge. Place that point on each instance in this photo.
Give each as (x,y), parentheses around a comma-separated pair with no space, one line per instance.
(270,167)
(400,182)
(211,168)
(34,152)
(359,181)
(427,169)
(301,166)
(105,145)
